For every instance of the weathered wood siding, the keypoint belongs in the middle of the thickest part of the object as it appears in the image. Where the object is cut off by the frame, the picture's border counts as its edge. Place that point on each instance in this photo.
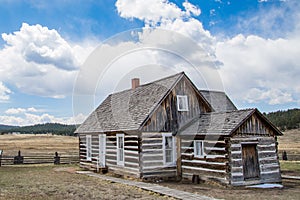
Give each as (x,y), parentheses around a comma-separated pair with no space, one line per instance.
(151,157)
(214,165)
(269,168)
(255,126)
(254,131)
(131,154)
(84,163)
(167,118)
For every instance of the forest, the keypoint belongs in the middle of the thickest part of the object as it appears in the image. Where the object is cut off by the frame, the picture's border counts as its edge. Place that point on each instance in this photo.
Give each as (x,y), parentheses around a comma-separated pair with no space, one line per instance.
(285,120)
(53,128)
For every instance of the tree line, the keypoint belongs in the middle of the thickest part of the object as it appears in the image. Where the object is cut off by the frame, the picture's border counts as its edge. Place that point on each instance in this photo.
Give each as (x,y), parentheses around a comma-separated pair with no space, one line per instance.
(53,128)
(285,120)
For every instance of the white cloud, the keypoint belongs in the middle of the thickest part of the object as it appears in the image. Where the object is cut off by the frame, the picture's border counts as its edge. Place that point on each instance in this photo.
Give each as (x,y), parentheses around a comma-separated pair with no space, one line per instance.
(39,61)
(25,118)
(273,96)
(4,92)
(255,69)
(266,70)
(167,15)
(270,21)
(42,46)
(191,9)
(15,111)
(150,11)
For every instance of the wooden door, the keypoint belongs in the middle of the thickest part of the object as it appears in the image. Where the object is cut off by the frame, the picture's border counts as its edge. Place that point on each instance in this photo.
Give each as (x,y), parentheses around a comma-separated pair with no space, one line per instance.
(102,149)
(250,161)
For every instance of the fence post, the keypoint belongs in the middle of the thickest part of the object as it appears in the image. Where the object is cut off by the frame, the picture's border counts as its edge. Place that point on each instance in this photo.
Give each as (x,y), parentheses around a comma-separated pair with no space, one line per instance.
(56,159)
(1,151)
(284,155)
(18,159)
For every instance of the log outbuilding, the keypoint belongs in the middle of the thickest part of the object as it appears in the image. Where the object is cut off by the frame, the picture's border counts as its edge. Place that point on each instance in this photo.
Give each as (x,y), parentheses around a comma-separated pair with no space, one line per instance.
(170,129)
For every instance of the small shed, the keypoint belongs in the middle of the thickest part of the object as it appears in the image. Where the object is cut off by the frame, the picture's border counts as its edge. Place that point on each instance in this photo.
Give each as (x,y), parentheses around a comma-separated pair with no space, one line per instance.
(170,129)
(234,147)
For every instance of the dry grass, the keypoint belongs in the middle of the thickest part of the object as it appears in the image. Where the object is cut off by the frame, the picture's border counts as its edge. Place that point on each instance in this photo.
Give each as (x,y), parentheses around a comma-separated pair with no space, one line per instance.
(290,141)
(56,182)
(40,144)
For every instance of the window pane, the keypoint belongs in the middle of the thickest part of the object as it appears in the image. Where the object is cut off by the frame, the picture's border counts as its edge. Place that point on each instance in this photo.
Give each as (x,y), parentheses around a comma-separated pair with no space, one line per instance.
(169,157)
(168,142)
(198,151)
(182,103)
(168,149)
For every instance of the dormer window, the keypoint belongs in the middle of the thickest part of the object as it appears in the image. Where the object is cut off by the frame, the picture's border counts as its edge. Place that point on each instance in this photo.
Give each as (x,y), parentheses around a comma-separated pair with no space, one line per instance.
(182,103)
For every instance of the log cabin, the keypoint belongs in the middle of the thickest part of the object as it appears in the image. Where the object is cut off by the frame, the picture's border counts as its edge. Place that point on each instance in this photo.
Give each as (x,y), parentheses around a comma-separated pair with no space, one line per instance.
(168,129)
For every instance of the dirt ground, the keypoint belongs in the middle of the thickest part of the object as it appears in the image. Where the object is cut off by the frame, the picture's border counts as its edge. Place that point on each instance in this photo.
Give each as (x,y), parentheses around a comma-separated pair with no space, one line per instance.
(28,182)
(61,182)
(291,191)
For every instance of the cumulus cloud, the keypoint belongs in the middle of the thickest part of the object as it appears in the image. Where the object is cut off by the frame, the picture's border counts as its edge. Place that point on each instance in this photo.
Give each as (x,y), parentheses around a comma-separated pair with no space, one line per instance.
(42,46)
(150,11)
(167,15)
(37,60)
(29,116)
(265,70)
(14,111)
(255,68)
(4,92)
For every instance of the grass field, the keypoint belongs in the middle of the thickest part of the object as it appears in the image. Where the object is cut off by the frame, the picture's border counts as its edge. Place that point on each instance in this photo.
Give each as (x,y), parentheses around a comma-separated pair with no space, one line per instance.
(290,142)
(40,144)
(31,182)
(60,182)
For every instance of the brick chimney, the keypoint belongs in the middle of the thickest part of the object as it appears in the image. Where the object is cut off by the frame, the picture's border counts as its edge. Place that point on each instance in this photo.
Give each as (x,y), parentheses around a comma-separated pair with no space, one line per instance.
(135,82)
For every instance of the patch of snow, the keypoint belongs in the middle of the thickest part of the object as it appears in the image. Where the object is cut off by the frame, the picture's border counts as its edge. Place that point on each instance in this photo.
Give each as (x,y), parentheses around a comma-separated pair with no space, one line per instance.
(267,185)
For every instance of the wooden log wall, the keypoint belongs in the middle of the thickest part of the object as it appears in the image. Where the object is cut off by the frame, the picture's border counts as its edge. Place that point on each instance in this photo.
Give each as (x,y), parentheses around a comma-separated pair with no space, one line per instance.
(152,163)
(131,155)
(214,165)
(254,126)
(167,118)
(267,157)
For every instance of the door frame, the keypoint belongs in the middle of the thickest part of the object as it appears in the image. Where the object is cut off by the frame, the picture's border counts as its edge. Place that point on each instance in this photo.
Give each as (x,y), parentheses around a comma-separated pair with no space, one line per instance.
(102,150)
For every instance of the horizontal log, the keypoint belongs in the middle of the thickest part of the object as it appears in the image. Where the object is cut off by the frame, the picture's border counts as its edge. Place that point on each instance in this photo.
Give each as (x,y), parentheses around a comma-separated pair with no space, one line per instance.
(151,141)
(150,160)
(203,165)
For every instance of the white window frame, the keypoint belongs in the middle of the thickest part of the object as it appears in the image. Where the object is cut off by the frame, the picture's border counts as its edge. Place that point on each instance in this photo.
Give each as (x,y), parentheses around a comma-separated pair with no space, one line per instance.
(173,148)
(88,141)
(120,150)
(184,100)
(201,155)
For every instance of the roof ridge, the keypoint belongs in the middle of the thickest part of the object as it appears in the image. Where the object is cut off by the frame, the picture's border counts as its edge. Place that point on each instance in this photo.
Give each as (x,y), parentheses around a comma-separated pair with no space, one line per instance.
(229,111)
(146,84)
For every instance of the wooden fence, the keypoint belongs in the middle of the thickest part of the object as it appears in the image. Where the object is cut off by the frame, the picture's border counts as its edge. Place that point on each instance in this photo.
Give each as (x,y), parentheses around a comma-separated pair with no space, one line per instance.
(39,159)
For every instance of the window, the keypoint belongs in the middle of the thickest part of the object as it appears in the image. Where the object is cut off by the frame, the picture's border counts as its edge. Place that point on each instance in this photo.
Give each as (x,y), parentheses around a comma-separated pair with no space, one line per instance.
(182,103)
(88,147)
(169,149)
(199,148)
(120,149)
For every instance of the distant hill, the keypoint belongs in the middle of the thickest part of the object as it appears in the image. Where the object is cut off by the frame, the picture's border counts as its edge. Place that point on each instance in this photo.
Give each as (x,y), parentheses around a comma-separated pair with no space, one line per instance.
(54,128)
(6,127)
(285,120)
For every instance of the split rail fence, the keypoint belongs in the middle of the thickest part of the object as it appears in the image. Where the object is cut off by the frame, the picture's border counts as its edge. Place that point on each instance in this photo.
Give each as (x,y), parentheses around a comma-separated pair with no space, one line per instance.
(39,159)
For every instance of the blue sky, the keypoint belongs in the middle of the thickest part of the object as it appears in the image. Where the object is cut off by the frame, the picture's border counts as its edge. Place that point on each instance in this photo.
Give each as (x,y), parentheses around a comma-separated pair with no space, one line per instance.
(44,44)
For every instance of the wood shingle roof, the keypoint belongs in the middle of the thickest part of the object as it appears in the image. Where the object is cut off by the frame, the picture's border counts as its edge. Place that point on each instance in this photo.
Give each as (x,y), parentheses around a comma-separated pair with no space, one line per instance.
(218,100)
(128,109)
(221,123)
